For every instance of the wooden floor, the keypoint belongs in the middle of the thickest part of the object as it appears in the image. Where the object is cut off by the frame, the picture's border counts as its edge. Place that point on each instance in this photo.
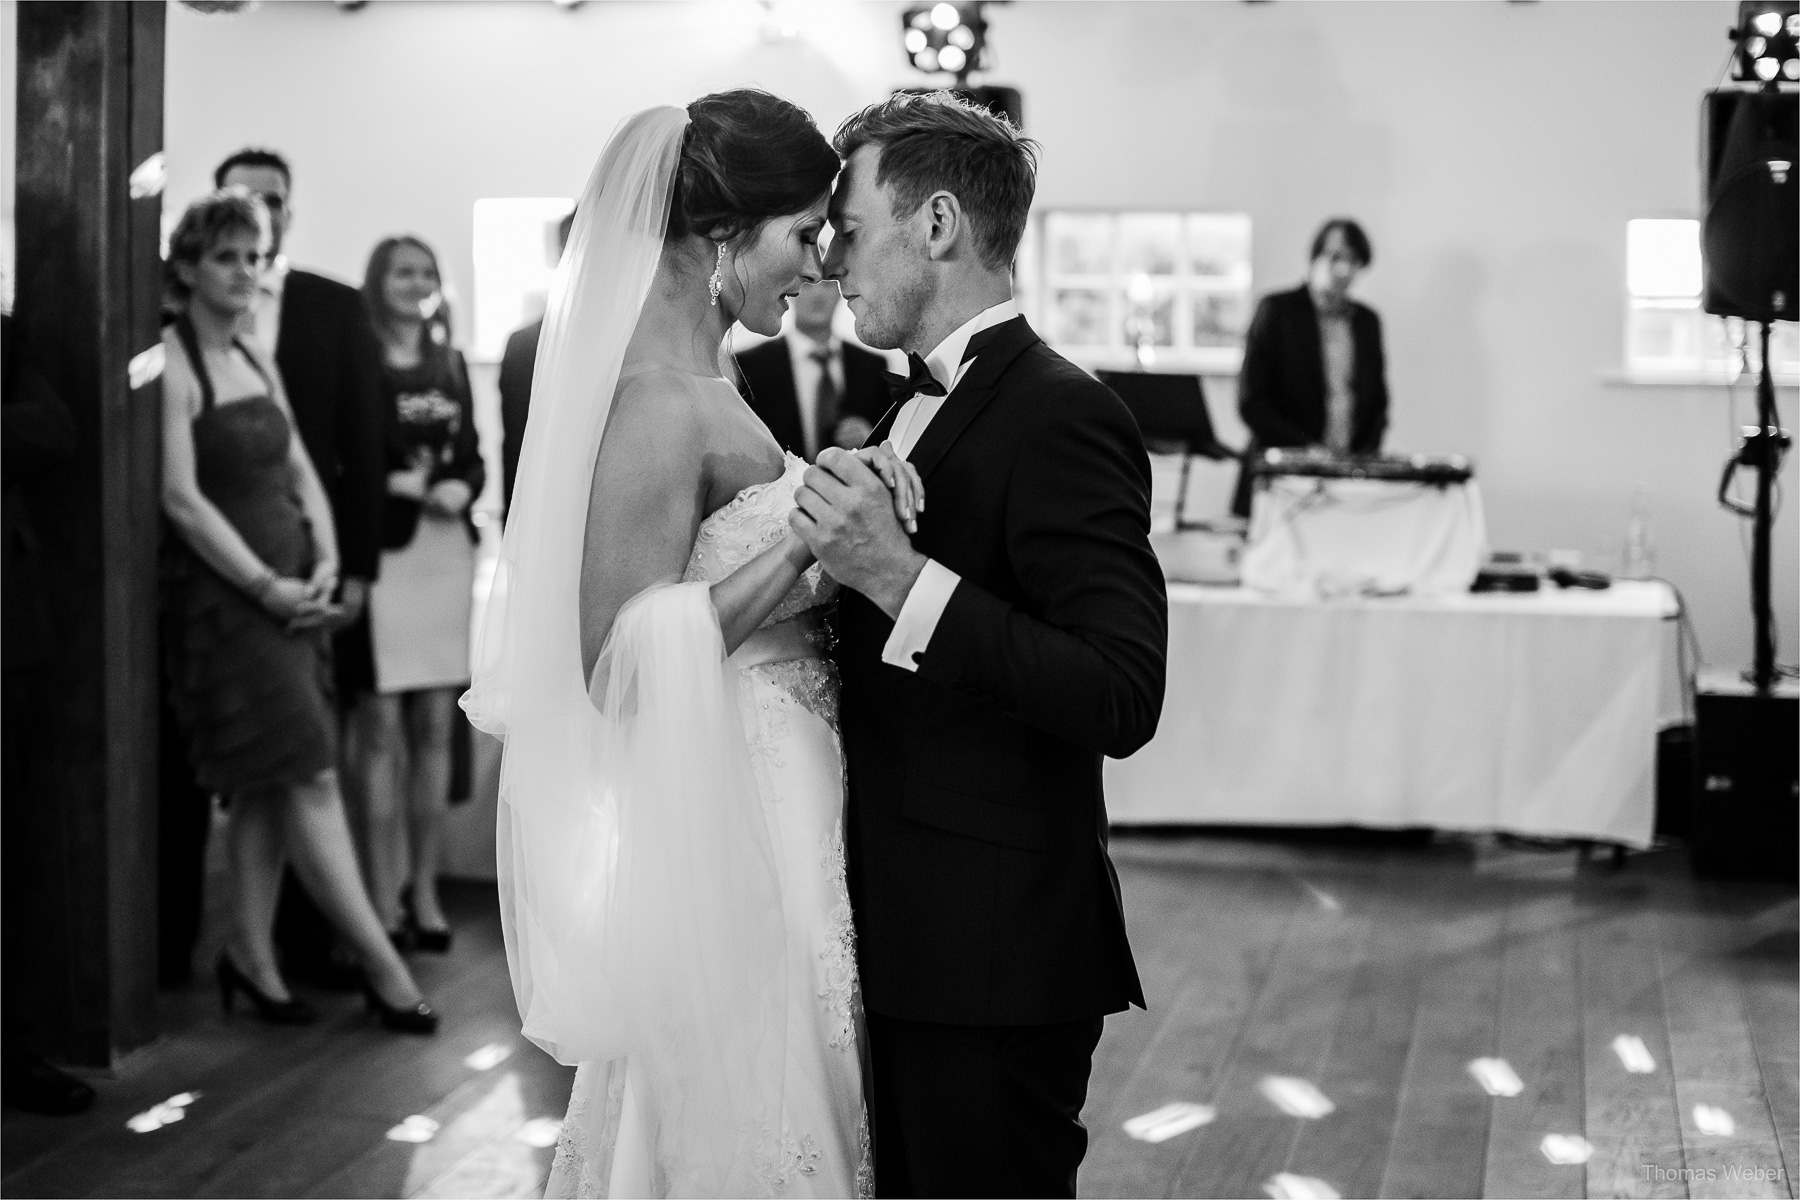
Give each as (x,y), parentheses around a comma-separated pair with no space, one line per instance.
(1374,974)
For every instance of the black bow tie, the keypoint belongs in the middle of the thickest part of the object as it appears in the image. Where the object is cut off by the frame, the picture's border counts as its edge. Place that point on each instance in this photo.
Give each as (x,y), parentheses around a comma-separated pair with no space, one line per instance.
(919,381)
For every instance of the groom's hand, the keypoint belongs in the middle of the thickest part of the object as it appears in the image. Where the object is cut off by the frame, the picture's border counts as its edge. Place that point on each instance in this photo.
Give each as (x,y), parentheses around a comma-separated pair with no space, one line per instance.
(845,513)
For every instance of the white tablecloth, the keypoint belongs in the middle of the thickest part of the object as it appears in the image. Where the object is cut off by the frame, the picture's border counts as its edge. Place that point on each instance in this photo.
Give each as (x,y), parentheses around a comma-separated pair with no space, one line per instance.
(1533,713)
(1341,537)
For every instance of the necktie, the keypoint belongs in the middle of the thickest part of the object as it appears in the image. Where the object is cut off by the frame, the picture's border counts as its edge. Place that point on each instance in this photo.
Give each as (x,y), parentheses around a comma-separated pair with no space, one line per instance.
(826,402)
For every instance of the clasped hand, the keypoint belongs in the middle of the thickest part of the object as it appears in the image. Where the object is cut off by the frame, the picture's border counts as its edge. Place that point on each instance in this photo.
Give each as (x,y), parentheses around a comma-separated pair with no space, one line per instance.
(854,511)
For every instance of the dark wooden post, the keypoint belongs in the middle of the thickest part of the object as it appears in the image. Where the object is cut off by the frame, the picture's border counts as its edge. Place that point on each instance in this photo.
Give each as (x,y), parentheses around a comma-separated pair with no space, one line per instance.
(90,80)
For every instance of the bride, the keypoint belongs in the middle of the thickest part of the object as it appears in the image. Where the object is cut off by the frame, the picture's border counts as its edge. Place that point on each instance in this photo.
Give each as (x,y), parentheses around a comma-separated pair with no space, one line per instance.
(671,796)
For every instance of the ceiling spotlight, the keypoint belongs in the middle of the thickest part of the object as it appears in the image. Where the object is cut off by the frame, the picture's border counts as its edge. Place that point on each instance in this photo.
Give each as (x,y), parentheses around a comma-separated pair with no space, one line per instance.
(946,37)
(1768,39)
(1791,68)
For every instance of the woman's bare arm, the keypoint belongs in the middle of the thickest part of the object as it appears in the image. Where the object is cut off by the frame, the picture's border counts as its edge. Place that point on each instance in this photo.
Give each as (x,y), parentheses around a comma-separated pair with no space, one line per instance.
(313,500)
(644,511)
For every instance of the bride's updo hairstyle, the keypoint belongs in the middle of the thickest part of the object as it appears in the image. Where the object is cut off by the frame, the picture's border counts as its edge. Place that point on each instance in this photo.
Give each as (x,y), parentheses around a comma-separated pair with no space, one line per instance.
(747,156)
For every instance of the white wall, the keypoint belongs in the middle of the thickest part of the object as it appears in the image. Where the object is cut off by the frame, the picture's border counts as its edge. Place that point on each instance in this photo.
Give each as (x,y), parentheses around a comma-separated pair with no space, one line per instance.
(1494,151)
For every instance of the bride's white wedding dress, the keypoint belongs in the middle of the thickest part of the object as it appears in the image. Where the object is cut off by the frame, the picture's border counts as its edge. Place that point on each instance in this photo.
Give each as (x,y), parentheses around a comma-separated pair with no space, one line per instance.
(787,696)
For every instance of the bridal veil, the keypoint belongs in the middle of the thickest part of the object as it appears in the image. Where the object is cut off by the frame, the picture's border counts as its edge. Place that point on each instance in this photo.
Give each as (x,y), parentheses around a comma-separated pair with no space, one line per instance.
(639,889)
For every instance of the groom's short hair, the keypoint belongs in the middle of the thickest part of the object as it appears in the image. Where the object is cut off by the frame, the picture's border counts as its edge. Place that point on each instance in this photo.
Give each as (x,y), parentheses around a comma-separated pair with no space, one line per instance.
(941,142)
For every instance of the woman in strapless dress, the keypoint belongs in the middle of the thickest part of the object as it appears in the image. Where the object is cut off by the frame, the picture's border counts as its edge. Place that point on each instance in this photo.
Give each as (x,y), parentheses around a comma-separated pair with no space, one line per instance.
(247,588)
(671,828)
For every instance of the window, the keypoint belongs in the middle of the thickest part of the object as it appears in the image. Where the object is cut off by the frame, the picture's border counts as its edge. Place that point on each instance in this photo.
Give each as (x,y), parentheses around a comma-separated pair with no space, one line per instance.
(516,250)
(1666,333)
(1153,288)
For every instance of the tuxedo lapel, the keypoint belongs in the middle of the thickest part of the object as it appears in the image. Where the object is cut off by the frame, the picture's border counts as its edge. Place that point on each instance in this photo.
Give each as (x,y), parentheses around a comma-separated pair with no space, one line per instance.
(971,395)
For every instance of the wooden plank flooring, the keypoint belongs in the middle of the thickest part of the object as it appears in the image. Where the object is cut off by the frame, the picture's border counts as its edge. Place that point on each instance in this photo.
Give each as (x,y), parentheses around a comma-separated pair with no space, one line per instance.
(1375,972)
(1380,975)
(294,1112)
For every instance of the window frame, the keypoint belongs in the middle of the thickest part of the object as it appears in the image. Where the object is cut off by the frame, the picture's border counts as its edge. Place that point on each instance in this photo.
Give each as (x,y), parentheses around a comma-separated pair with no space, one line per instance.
(1037,281)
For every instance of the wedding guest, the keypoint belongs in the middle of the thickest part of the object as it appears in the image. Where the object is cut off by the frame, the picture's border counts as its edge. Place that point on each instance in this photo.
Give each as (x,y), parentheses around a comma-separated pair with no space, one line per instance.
(249,582)
(1314,372)
(516,367)
(419,609)
(37,437)
(809,386)
(315,329)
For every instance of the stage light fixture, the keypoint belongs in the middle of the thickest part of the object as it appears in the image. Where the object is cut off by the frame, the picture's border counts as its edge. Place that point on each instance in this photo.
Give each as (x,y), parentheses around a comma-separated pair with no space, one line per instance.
(945,37)
(1768,41)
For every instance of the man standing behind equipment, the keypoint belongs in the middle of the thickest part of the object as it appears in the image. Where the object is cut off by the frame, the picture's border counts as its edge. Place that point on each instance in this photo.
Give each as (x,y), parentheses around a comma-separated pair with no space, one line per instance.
(810,387)
(1314,371)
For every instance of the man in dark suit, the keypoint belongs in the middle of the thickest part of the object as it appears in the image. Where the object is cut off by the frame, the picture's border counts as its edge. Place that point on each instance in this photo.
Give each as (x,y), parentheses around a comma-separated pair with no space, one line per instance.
(1314,372)
(516,366)
(811,388)
(320,338)
(989,662)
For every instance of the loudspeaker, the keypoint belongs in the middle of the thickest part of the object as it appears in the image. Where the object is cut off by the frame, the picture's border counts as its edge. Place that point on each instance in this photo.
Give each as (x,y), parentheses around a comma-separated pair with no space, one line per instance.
(1745,820)
(1750,234)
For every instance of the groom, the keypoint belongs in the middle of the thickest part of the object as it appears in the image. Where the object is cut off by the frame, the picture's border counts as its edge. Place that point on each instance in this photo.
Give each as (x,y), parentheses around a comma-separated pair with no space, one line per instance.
(988,663)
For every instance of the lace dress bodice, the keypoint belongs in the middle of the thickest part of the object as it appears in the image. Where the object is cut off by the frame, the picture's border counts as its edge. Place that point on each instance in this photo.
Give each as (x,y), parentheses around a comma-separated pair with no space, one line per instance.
(753,521)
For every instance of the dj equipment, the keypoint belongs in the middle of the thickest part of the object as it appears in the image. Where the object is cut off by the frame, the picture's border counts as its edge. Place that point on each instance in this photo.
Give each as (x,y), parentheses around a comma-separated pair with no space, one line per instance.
(1440,470)
(1170,411)
(1744,822)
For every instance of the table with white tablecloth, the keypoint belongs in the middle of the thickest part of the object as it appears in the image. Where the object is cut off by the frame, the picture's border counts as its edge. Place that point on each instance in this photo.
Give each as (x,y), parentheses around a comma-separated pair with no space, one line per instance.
(1532,713)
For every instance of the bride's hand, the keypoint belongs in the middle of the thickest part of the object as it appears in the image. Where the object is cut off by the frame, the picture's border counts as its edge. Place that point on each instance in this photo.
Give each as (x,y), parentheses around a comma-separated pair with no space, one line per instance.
(902,479)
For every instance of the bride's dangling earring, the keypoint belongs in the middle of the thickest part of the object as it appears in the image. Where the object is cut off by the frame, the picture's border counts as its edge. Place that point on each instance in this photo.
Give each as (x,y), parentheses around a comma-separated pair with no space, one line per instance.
(716,283)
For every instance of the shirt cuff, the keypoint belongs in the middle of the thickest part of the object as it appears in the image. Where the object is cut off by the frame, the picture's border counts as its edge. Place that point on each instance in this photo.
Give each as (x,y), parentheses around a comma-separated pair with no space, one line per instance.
(919,616)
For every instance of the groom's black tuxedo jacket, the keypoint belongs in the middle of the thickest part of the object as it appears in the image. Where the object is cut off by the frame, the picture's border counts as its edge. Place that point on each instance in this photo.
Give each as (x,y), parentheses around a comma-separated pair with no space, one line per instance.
(976,825)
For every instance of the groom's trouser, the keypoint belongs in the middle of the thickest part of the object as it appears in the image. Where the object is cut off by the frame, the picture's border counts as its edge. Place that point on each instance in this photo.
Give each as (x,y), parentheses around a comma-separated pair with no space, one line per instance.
(979,1110)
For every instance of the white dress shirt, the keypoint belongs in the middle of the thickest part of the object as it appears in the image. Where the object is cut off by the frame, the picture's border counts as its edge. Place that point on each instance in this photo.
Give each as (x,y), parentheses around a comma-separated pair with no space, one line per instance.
(930,593)
(265,313)
(802,351)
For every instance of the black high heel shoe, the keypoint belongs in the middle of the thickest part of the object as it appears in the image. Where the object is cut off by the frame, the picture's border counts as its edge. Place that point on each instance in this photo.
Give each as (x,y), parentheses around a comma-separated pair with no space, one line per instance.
(418,937)
(276,1012)
(420,1018)
(432,941)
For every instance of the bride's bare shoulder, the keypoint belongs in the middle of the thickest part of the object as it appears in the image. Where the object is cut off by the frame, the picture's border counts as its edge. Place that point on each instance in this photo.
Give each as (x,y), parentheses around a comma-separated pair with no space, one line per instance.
(663,407)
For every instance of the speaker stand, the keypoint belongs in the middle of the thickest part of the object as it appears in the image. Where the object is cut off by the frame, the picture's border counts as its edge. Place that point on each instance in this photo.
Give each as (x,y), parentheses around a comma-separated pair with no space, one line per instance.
(1764,455)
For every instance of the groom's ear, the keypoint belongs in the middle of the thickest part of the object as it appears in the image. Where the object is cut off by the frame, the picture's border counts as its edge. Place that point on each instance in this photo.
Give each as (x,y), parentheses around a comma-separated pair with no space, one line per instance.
(947,228)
